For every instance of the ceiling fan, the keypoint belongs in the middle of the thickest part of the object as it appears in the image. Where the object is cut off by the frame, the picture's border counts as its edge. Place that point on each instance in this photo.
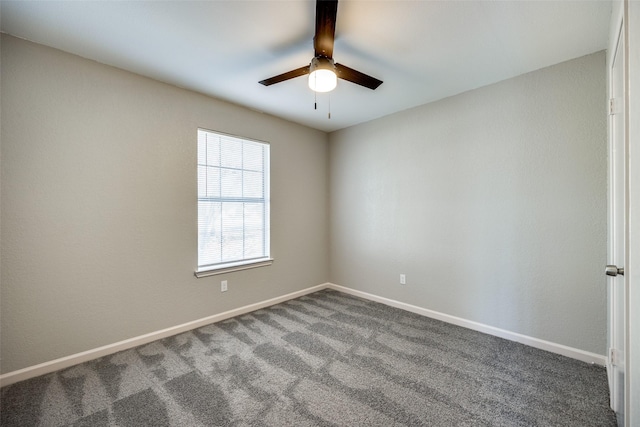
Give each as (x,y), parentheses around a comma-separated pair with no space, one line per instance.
(323,72)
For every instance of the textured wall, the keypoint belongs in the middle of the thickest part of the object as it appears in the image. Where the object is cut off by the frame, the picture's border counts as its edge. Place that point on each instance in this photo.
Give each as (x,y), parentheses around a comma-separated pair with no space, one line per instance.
(98,228)
(492,202)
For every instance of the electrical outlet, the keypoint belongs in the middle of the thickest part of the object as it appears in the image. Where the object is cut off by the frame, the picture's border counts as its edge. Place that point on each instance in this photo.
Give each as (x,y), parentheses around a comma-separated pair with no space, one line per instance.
(403,279)
(223,286)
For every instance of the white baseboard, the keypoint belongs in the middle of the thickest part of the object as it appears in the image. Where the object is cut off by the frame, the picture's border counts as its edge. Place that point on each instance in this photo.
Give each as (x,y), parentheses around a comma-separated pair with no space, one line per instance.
(564,350)
(74,359)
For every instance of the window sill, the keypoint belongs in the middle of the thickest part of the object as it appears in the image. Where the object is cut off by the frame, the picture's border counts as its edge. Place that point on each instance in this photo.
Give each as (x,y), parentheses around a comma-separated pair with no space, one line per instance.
(230,267)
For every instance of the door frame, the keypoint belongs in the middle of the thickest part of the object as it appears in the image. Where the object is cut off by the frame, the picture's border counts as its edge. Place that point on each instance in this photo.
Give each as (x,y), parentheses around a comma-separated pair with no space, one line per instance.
(631,16)
(617,213)
(629,12)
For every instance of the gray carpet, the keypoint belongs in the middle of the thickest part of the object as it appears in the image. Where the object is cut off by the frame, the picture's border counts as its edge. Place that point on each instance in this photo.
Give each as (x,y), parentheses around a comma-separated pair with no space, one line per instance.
(326,359)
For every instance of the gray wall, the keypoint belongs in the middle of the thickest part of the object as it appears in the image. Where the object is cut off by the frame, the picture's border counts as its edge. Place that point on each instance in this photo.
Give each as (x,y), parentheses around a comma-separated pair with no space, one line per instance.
(492,202)
(98,232)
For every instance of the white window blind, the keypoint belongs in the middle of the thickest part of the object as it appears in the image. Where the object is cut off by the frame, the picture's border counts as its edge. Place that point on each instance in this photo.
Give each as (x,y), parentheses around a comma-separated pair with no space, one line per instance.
(233,202)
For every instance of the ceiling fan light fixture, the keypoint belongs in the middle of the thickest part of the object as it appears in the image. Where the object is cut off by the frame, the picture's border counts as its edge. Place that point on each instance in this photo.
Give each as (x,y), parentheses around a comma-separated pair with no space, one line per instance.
(322,76)
(323,72)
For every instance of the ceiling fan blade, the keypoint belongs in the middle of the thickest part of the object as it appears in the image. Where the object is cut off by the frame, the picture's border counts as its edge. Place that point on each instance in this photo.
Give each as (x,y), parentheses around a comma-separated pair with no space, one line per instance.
(326,11)
(357,77)
(286,76)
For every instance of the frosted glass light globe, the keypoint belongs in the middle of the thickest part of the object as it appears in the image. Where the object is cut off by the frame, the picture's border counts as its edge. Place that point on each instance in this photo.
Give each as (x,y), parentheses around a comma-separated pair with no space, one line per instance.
(322,80)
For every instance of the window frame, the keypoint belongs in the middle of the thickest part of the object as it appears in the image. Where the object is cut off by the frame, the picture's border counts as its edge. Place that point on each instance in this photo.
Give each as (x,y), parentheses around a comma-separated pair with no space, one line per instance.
(243,263)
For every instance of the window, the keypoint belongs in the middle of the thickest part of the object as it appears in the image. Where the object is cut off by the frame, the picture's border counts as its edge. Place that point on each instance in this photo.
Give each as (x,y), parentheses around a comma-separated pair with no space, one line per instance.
(233,203)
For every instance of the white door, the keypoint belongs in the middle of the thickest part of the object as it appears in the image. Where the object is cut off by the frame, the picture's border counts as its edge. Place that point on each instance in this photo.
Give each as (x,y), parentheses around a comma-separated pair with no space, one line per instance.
(617,224)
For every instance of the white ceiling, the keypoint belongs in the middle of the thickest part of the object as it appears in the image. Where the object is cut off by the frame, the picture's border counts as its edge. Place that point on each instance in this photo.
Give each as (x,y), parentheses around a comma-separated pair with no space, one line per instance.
(422,50)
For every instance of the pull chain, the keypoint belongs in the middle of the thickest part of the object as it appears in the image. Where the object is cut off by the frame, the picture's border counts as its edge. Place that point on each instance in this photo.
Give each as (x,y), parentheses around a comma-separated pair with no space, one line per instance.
(315,103)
